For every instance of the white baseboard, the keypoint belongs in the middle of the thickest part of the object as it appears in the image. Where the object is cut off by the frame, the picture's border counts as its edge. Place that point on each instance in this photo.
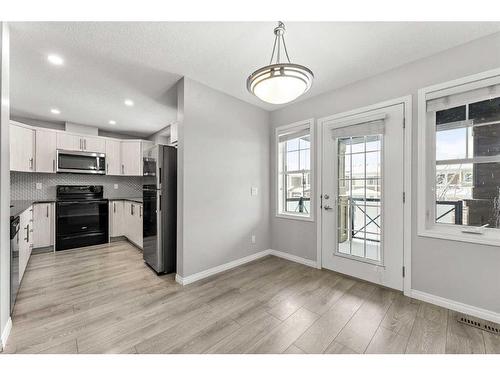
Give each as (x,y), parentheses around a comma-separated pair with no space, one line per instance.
(294,258)
(223,267)
(238,262)
(6,332)
(457,306)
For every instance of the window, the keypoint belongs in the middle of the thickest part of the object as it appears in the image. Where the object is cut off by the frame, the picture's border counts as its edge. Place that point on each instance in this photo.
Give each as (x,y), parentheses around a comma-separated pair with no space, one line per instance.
(294,157)
(359,196)
(459,152)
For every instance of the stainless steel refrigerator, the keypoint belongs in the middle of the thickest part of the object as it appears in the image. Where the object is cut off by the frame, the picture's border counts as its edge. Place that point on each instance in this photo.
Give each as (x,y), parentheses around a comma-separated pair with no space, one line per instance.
(159,220)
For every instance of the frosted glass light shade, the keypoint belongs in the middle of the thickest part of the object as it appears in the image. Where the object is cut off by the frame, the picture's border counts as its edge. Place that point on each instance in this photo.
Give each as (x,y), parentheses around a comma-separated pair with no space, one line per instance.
(280,83)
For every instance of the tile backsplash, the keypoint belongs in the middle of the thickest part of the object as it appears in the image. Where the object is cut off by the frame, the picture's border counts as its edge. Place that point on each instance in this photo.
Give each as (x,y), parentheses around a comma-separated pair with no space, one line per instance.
(23,185)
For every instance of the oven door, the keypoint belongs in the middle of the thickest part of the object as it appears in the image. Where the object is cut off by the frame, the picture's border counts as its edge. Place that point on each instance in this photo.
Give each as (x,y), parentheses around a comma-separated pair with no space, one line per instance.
(81,162)
(81,223)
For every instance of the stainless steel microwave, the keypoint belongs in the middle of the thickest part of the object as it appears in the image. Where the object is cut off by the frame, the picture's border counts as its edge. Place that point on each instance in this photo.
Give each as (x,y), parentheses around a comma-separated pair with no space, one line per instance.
(81,162)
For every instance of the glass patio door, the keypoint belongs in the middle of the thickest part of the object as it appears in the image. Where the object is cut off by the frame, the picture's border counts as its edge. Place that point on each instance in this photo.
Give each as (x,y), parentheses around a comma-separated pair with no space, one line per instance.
(359,193)
(362,195)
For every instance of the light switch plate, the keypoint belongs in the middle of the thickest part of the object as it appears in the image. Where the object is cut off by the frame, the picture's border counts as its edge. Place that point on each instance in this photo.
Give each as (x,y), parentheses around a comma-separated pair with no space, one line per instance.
(254,190)
(38,186)
(115,186)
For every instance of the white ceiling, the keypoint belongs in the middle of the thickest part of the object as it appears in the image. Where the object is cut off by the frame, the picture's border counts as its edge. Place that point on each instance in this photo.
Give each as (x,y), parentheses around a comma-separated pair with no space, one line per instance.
(106,62)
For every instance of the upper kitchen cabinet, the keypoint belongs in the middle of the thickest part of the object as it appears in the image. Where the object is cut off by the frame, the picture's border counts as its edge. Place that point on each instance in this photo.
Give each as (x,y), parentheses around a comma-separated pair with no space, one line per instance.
(22,148)
(113,157)
(73,142)
(131,156)
(94,144)
(69,142)
(45,150)
(174,133)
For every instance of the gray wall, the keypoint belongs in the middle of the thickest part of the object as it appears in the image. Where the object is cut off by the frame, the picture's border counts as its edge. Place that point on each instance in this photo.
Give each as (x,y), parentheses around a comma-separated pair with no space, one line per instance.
(4,180)
(458,271)
(23,185)
(223,151)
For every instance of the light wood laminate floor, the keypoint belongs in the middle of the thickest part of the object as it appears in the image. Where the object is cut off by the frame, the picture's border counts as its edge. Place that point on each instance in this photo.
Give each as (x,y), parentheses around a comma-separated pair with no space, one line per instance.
(104,299)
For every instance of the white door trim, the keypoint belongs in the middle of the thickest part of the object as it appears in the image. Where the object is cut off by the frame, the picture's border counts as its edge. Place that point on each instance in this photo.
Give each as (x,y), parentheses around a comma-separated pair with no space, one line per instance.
(407,103)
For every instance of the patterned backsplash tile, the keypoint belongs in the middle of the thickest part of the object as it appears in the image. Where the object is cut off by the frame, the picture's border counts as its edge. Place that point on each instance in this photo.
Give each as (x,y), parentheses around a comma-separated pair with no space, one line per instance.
(23,185)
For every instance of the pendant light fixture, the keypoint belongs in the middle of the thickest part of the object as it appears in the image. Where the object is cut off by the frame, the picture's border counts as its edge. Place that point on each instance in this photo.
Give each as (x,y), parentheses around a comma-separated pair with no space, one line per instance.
(280,82)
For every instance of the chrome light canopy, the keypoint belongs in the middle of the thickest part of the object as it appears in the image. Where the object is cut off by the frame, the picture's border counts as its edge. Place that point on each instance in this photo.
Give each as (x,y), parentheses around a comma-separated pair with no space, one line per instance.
(280,83)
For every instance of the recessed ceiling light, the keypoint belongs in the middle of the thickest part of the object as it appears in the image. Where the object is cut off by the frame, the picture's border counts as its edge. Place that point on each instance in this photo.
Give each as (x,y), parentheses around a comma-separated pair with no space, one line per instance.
(55,111)
(55,59)
(112,122)
(129,102)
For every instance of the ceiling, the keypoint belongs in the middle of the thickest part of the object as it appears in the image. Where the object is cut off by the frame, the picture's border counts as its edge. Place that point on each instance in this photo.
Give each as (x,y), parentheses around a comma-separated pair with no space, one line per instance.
(108,62)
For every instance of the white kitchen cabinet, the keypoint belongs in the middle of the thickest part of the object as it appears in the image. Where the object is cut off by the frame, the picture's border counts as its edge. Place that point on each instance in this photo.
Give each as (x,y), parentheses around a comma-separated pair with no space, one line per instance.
(34,149)
(127,219)
(25,240)
(43,225)
(131,157)
(113,157)
(22,148)
(45,150)
(70,142)
(93,144)
(117,219)
(174,131)
(73,142)
(132,223)
(138,225)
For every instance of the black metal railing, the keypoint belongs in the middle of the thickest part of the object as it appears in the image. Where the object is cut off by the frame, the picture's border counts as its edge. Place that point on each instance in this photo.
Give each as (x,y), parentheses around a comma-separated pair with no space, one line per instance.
(456,208)
(368,221)
(301,207)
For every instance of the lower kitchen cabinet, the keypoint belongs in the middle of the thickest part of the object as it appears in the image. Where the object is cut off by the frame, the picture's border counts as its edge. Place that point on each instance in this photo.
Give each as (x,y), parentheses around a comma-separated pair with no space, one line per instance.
(116,219)
(25,239)
(43,225)
(125,219)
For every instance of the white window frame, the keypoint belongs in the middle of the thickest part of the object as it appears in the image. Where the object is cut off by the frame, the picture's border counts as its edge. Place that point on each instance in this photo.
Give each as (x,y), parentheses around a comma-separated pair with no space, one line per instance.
(427,163)
(284,128)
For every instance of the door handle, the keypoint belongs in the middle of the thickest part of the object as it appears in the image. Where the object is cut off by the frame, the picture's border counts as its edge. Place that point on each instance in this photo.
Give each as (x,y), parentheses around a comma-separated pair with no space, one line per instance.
(327,207)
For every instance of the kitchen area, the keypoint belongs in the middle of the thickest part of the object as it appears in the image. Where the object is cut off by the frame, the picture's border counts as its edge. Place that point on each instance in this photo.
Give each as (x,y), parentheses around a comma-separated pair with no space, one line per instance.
(72,188)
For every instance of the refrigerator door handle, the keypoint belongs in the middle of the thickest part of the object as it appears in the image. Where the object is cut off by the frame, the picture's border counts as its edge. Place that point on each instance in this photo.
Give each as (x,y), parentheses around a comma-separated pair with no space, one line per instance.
(160,201)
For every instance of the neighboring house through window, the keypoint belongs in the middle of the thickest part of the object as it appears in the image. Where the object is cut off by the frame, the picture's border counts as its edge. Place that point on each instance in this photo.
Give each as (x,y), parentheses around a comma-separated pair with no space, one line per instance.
(459,151)
(294,170)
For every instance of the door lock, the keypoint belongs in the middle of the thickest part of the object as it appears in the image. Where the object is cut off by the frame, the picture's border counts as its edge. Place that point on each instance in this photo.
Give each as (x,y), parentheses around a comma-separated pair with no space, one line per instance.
(327,207)
(326,196)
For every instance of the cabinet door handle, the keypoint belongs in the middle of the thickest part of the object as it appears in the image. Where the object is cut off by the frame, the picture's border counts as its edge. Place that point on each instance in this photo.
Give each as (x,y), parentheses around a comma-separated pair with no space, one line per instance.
(140,211)
(114,207)
(85,144)
(81,144)
(107,168)
(54,165)
(31,163)
(123,169)
(47,210)
(28,233)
